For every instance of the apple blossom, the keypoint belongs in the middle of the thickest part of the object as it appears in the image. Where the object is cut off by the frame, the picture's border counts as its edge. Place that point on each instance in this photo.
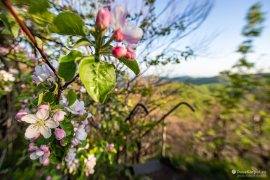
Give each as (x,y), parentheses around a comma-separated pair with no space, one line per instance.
(80,133)
(103,18)
(7,76)
(90,164)
(59,133)
(119,52)
(132,34)
(44,106)
(59,115)
(42,153)
(43,73)
(77,108)
(20,114)
(40,123)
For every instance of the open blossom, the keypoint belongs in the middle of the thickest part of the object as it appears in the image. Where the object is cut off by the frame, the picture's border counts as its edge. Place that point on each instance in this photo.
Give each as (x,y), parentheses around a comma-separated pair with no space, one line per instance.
(103,18)
(43,73)
(131,33)
(77,108)
(72,161)
(40,124)
(90,164)
(42,153)
(80,135)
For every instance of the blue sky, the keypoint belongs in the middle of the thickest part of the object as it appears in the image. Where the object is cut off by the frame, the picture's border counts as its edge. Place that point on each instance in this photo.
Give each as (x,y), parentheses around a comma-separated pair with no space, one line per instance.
(226,22)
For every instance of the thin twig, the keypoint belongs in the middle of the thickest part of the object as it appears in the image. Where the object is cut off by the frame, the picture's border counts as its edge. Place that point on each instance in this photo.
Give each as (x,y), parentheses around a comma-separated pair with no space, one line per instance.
(29,35)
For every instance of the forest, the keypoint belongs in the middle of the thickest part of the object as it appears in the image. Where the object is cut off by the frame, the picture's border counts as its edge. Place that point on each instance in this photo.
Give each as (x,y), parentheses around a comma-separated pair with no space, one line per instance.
(79,98)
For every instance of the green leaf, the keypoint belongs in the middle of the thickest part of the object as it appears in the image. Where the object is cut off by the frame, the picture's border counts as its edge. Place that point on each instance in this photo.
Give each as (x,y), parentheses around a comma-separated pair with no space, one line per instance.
(40,98)
(68,23)
(82,42)
(99,78)
(43,19)
(49,97)
(131,64)
(68,65)
(11,26)
(71,97)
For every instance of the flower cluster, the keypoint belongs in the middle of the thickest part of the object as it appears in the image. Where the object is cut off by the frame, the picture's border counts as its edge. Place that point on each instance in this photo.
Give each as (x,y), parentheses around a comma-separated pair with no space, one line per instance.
(123,31)
(80,134)
(63,126)
(6,80)
(41,122)
(90,163)
(42,153)
(71,160)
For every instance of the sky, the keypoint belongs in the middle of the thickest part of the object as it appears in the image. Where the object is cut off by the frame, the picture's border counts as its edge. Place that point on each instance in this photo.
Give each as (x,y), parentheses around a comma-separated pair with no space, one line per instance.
(225,22)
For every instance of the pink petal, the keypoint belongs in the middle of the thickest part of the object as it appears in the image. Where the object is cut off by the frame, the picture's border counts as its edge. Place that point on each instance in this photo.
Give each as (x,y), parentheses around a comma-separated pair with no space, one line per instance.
(132,34)
(42,114)
(119,15)
(45,131)
(30,118)
(51,123)
(31,131)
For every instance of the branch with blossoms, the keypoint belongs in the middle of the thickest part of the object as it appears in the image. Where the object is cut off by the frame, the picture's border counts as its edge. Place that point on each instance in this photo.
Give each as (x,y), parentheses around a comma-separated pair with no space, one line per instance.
(59,129)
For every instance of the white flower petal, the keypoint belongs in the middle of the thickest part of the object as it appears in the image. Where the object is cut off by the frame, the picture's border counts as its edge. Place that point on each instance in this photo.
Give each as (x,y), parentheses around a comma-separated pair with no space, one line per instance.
(132,34)
(45,131)
(118,16)
(42,114)
(51,123)
(29,118)
(33,156)
(31,131)
(39,152)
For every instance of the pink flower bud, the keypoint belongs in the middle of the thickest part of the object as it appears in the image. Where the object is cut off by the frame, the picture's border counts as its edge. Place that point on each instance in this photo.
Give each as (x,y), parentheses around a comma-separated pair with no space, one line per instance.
(118,35)
(119,52)
(103,18)
(20,114)
(46,162)
(59,133)
(130,54)
(43,106)
(59,115)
